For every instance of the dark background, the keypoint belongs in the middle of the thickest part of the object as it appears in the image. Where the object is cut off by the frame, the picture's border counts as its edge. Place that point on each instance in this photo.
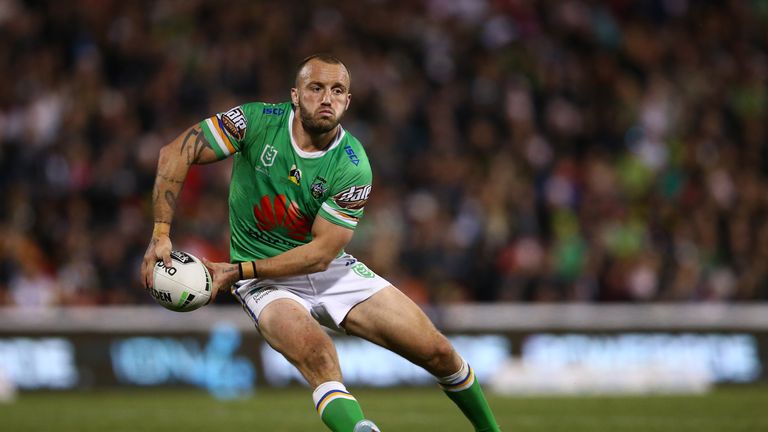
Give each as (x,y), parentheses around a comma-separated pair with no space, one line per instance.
(544,151)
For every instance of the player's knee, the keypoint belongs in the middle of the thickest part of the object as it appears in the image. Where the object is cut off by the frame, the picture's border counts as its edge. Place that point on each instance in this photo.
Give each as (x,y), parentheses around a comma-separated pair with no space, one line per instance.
(318,361)
(440,357)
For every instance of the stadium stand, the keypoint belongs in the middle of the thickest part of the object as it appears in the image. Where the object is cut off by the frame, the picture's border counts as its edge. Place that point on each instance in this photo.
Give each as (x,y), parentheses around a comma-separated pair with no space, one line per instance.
(557,151)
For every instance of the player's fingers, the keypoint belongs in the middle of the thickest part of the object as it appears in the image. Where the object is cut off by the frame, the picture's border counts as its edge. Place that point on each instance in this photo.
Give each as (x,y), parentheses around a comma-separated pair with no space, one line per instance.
(166,256)
(206,263)
(214,291)
(146,273)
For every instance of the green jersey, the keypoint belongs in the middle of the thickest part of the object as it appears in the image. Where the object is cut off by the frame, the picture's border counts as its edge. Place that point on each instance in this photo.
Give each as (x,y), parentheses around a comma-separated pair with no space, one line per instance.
(277,189)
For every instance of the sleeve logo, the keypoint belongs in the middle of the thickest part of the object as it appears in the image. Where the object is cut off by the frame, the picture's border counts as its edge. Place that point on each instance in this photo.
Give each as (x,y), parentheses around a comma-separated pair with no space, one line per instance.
(353,198)
(235,123)
(351,155)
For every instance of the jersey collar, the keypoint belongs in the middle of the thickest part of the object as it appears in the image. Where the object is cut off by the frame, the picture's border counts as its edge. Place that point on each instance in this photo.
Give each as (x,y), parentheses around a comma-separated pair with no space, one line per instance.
(317,154)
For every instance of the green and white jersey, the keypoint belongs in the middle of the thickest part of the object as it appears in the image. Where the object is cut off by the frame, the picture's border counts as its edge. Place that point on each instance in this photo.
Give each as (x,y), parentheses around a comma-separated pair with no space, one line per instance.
(277,189)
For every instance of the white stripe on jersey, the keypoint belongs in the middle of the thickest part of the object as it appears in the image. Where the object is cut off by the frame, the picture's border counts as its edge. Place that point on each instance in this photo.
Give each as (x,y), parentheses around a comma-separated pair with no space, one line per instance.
(217,137)
(339,215)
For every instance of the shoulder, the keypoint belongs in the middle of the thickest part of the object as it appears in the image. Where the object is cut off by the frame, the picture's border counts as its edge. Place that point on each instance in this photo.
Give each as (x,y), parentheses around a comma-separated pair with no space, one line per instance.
(264,111)
(244,122)
(353,151)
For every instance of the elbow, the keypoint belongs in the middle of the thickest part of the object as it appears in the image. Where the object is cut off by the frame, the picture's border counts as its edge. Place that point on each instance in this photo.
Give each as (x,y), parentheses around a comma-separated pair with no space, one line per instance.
(171,154)
(320,266)
(165,154)
(320,263)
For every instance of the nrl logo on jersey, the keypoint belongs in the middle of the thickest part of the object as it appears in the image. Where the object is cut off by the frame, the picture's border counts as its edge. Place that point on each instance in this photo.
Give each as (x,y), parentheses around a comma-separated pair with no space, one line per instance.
(268,155)
(235,123)
(353,198)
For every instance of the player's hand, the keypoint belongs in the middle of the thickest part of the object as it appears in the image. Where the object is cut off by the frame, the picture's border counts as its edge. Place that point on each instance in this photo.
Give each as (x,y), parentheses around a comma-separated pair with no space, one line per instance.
(224,275)
(159,249)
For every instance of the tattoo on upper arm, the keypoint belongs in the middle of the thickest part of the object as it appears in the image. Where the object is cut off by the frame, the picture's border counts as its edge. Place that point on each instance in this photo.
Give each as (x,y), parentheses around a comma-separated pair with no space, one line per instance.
(193,144)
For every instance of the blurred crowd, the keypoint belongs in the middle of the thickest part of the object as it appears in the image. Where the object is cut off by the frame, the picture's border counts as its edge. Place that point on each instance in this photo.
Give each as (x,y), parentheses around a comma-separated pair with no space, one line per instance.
(539,151)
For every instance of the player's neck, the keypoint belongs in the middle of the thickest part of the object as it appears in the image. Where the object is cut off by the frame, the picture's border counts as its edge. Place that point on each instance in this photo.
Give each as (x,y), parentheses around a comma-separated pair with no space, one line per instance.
(309,142)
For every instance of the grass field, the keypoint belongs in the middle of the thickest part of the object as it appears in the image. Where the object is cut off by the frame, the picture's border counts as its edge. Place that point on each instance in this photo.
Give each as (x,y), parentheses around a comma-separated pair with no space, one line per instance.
(725,410)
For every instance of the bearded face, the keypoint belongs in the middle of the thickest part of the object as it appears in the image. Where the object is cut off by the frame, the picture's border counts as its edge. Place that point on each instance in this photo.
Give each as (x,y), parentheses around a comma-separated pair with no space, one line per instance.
(321,96)
(320,121)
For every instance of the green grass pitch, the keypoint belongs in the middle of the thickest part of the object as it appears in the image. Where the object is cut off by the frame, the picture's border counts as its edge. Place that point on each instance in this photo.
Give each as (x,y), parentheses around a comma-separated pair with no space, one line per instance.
(731,410)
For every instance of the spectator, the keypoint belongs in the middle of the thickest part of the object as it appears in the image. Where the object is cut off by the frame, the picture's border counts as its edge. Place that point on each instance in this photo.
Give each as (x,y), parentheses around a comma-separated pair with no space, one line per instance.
(522,151)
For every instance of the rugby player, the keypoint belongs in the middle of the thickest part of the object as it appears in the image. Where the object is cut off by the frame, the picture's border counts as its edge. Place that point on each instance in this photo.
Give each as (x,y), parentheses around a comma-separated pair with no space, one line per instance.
(299,186)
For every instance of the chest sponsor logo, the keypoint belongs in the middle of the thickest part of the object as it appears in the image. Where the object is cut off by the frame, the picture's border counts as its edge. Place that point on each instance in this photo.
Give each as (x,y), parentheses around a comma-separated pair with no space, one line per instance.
(281,215)
(353,198)
(268,155)
(351,155)
(235,123)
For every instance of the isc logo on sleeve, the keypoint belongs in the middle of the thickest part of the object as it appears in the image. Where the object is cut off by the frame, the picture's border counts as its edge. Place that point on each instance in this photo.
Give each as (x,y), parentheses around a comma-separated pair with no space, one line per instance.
(273,111)
(351,155)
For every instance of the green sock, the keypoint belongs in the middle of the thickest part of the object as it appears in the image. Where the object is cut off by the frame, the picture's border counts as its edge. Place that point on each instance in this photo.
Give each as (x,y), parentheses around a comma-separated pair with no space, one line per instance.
(338,409)
(464,390)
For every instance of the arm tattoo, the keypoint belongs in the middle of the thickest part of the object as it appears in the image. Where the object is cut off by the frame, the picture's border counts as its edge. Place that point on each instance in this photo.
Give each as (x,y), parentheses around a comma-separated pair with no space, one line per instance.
(171,199)
(170,179)
(194,144)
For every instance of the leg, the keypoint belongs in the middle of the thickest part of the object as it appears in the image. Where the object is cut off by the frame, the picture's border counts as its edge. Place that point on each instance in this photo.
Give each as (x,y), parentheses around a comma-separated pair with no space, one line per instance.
(390,319)
(411,335)
(289,329)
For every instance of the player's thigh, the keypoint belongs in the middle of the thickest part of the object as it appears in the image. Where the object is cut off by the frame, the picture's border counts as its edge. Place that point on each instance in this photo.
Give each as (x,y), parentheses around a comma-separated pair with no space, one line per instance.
(392,320)
(290,329)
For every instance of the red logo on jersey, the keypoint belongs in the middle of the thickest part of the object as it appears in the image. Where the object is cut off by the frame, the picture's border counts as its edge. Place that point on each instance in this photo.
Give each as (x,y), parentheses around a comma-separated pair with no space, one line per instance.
(281,213)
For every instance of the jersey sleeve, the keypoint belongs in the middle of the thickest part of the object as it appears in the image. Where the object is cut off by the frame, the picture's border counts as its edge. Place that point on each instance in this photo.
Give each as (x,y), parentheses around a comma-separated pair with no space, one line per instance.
(347,200)
(230,131)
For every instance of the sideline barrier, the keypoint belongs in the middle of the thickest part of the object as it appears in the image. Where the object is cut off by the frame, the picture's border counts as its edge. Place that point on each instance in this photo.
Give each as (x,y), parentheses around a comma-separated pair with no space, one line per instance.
(514,348)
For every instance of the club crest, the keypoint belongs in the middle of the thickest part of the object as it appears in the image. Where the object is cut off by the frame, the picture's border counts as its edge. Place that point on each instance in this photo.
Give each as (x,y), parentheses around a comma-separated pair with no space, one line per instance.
(319,187)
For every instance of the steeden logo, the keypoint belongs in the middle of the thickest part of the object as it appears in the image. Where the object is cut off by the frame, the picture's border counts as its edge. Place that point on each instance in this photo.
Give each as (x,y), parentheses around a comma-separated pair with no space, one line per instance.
(281,214)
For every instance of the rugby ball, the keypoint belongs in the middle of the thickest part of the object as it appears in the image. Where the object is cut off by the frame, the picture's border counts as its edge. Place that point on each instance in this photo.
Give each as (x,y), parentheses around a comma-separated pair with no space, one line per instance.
(185,286)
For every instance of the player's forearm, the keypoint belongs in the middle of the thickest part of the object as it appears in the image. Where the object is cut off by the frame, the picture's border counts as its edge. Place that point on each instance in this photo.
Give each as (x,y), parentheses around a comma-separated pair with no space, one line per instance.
(172,168)
(309,258)
(171,172)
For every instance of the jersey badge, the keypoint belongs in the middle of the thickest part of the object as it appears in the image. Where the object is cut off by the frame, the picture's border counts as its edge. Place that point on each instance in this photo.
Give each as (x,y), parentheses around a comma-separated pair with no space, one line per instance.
(235,123)
(319,187)
(268,155)
(294,175)
(353,198)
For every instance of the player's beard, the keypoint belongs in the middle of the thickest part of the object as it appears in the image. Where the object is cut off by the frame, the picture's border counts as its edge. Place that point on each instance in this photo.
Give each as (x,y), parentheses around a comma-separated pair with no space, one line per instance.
(316,125)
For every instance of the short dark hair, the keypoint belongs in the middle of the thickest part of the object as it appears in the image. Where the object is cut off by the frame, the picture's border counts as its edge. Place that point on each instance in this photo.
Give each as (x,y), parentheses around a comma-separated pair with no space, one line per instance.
(325,58)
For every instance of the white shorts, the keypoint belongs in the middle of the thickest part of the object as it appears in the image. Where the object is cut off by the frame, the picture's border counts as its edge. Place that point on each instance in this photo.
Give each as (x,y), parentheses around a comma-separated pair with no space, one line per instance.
(328,296)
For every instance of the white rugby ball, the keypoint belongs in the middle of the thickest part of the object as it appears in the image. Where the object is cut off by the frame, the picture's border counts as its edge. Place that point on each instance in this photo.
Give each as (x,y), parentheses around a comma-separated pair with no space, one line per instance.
(185,286)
